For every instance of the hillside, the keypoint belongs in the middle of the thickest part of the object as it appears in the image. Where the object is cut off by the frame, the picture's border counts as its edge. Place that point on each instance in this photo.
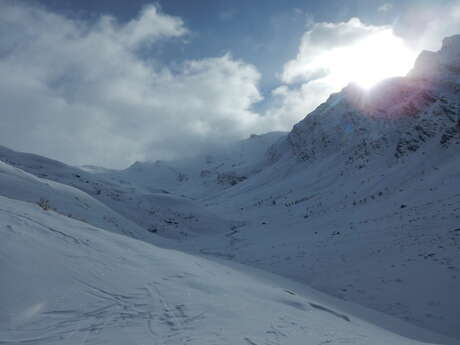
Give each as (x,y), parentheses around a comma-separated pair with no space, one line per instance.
(66,282)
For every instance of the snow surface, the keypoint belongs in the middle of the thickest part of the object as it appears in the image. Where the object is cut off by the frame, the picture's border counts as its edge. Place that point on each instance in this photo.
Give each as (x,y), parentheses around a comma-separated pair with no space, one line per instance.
(70,201)
(71,283)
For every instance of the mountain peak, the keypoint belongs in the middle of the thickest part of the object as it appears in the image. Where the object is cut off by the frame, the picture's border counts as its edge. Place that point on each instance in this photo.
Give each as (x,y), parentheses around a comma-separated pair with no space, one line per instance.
(440,66)
(395,118)
(451,48)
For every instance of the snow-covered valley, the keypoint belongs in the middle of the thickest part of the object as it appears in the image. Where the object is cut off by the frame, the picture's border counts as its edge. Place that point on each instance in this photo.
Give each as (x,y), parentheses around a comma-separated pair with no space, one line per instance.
(345,230)
(72,283)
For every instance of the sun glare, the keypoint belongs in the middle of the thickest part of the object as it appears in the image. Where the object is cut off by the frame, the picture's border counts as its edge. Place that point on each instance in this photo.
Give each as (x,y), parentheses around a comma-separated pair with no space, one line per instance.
(379,56)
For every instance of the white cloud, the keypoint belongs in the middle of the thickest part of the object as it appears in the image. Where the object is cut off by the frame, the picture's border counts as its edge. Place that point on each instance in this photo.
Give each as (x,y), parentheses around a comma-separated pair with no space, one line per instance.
(293,103)
(330,49)
(330,56)
(147,28)
(385,7)
(424,26)
(78,91)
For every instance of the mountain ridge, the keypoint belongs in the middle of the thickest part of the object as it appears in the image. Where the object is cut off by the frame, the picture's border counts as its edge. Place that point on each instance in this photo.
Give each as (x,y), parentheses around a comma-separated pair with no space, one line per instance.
(405,112)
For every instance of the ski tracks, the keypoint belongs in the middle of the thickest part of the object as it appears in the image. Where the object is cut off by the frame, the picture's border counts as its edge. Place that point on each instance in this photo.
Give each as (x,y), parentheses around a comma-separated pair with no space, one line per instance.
(175,317)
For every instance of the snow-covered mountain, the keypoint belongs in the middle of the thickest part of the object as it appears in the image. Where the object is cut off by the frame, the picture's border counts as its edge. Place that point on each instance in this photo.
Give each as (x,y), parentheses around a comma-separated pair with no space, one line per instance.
(361,200)
(398,117)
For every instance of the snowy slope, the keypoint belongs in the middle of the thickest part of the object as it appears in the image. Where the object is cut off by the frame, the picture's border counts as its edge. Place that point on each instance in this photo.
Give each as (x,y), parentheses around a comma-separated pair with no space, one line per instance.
(160,197)
(388,240)
(207,173)
(156,210)
(63,199)
(69,283)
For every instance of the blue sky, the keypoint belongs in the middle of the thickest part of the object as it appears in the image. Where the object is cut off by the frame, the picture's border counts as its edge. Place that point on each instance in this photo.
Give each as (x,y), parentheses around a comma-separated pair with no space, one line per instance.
(110,82)
(265,33)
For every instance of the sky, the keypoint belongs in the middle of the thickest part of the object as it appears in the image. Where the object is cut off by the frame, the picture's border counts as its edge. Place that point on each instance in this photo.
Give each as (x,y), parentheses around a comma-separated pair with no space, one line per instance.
(109,83)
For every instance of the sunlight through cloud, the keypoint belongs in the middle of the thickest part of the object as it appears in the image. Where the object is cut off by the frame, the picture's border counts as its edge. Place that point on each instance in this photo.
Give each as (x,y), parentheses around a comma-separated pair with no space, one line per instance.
(381,55)
(349,52)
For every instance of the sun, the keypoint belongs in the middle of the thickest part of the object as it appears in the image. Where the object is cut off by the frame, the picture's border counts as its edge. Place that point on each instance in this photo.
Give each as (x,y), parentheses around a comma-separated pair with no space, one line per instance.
(379,56)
